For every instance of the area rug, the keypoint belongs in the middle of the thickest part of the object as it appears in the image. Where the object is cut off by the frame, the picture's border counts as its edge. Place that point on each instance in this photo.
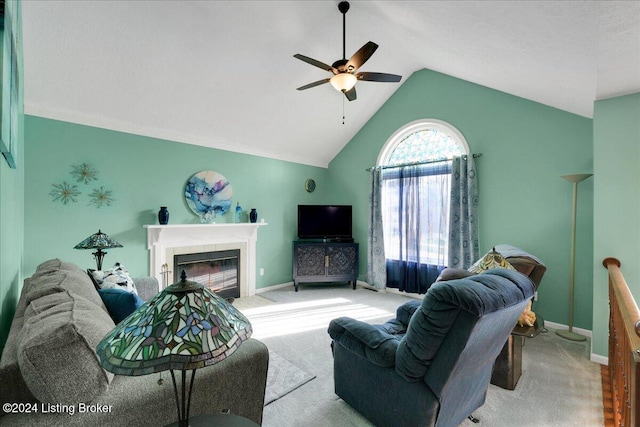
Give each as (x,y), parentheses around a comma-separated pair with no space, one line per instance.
(283,377)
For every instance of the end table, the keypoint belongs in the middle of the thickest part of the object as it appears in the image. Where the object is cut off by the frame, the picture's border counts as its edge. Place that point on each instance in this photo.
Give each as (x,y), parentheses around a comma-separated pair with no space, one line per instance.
(508,366)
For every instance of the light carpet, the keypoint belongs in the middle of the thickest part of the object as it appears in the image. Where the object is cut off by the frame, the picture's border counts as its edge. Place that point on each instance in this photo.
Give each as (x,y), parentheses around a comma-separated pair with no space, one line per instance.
(559,385)
(283,377)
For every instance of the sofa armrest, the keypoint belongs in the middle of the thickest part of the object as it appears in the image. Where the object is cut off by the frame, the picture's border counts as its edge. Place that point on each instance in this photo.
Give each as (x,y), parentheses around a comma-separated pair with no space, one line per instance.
(236,384)
(371,342)
(146,287)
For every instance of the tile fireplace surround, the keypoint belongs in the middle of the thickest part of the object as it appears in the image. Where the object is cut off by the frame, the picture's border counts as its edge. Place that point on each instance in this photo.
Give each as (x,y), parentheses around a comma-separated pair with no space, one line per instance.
(165,240)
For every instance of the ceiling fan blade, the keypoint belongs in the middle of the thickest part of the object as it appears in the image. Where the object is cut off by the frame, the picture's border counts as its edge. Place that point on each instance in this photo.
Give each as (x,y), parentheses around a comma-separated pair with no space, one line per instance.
(314,84)
(379,77)
(361,56)
(351,94)
(316,63)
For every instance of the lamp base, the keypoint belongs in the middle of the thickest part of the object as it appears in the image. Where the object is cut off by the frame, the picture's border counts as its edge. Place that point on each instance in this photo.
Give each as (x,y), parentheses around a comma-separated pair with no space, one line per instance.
(569,335)
(226,420)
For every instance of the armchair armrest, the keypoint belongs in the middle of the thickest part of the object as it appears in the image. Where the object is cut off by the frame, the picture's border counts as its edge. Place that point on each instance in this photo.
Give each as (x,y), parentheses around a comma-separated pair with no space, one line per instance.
(371,342)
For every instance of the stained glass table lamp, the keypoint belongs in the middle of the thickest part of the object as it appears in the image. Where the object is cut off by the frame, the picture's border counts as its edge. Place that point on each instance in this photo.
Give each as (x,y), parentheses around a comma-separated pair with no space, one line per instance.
(98,241)
(184,327)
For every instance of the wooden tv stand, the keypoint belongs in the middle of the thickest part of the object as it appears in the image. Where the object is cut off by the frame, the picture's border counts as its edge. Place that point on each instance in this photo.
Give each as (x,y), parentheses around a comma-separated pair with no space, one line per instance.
(318,262)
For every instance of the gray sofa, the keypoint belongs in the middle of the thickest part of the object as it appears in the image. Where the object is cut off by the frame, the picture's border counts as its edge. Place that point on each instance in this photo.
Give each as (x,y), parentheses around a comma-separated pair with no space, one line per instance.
(51,376)
(431,365)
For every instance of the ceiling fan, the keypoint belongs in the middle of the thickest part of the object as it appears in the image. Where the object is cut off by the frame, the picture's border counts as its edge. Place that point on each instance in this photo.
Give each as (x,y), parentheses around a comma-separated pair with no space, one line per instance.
(344,71)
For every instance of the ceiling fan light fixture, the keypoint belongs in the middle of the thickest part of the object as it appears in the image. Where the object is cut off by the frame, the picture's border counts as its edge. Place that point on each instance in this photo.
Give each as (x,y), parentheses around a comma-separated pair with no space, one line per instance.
(343,82)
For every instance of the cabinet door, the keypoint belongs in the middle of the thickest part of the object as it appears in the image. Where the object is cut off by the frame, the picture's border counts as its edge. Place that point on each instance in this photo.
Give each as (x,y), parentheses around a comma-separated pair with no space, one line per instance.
(342,260)
(310,260)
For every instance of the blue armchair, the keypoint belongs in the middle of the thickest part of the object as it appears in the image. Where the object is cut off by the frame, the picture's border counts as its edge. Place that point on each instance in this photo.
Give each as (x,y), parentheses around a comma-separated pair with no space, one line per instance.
(431,365)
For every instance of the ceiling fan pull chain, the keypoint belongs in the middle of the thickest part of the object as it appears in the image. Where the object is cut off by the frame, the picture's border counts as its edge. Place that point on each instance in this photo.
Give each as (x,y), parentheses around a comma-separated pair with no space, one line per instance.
(342,109)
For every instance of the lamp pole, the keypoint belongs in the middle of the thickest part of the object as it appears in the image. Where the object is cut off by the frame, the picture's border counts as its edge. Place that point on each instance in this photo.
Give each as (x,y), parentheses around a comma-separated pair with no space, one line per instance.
(575,179)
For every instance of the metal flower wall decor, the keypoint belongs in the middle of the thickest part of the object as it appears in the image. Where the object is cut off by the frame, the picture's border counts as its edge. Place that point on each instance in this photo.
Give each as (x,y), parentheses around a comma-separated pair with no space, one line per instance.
(101,197)
(82,173)
(64,193)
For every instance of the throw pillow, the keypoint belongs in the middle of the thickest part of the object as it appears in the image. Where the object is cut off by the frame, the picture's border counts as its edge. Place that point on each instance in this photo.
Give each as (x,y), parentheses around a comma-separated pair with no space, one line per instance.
(491,259)
(92,276)
(120,303)
(115,278)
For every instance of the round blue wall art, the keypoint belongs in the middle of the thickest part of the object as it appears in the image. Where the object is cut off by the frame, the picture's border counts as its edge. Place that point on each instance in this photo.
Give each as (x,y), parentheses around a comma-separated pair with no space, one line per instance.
(208,195)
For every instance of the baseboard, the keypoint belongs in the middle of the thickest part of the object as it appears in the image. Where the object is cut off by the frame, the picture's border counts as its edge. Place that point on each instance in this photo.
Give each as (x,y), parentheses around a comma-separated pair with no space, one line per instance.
(559,326)
(603,360)
(273,287)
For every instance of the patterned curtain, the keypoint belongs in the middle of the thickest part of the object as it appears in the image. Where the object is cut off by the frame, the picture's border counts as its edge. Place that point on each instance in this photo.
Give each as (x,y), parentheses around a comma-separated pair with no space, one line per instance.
(463,220)
(376,267)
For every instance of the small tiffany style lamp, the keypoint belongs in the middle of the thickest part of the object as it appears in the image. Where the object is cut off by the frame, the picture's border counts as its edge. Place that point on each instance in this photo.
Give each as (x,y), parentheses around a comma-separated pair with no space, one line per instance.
(184,327)
(98,241)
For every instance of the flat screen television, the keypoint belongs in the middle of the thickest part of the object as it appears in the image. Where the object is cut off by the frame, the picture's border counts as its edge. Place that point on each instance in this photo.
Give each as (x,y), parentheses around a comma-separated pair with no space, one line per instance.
(327,222)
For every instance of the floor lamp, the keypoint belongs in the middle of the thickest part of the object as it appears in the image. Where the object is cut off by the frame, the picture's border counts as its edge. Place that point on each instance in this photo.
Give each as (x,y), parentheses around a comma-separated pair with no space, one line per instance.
(575,179)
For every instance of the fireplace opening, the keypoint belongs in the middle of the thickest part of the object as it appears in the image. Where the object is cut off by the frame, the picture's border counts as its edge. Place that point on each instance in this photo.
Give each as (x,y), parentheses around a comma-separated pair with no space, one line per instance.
(217,270)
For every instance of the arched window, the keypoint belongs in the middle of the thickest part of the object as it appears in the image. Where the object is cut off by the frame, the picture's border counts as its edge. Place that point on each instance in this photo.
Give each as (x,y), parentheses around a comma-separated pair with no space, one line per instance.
(423,141)
(416,180)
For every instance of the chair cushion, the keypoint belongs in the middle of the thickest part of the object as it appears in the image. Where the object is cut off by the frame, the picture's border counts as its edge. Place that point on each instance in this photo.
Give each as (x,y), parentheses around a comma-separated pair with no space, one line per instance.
(120,303)
(476,295)
(56,349)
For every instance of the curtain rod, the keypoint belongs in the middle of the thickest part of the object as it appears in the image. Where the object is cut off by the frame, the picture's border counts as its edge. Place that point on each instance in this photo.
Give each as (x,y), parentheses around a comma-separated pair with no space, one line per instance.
(475,156)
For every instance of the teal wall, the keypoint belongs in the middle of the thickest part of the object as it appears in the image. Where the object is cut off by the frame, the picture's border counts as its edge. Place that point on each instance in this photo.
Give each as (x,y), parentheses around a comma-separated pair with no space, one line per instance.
(144,174)
(616,150)
(526,146)
(11,200)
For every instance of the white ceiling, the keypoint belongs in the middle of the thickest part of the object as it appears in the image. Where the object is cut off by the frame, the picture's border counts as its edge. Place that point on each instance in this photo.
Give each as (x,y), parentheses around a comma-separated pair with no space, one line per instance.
(222,73)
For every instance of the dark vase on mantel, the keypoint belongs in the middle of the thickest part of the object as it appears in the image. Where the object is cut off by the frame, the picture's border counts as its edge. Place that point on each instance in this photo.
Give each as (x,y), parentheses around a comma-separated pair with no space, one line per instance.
(253,215)
(163,216)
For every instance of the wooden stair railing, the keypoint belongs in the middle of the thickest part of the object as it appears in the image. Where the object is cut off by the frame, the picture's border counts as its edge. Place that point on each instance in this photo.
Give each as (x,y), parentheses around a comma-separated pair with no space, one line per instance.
(624,348)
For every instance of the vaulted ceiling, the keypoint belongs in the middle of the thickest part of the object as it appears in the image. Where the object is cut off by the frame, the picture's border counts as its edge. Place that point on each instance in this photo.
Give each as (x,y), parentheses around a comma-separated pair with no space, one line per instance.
(222,74)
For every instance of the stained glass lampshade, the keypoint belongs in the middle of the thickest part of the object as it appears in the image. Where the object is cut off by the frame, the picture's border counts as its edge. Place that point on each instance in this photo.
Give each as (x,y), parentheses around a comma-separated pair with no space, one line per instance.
(491,259)
(184,327)
(98,241)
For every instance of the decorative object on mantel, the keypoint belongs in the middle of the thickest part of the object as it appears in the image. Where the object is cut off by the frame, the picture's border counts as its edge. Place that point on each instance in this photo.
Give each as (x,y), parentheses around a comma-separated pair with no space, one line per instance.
(575,179)
(253,215)
(163,215)
(100,197)
(208,195)
(98,241)
(209,331)
(84,173)
(64,192)
(239,211)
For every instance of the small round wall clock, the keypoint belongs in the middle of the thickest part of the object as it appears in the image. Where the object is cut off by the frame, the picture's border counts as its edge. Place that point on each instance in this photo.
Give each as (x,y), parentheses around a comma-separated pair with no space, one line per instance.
(310,185)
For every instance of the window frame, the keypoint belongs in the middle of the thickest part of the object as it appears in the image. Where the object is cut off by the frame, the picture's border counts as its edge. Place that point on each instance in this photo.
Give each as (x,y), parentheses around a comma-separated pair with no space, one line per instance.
(416,126)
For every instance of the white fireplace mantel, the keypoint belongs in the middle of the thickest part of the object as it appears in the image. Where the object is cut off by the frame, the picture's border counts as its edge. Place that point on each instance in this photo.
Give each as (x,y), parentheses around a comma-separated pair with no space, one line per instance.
(161,237)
